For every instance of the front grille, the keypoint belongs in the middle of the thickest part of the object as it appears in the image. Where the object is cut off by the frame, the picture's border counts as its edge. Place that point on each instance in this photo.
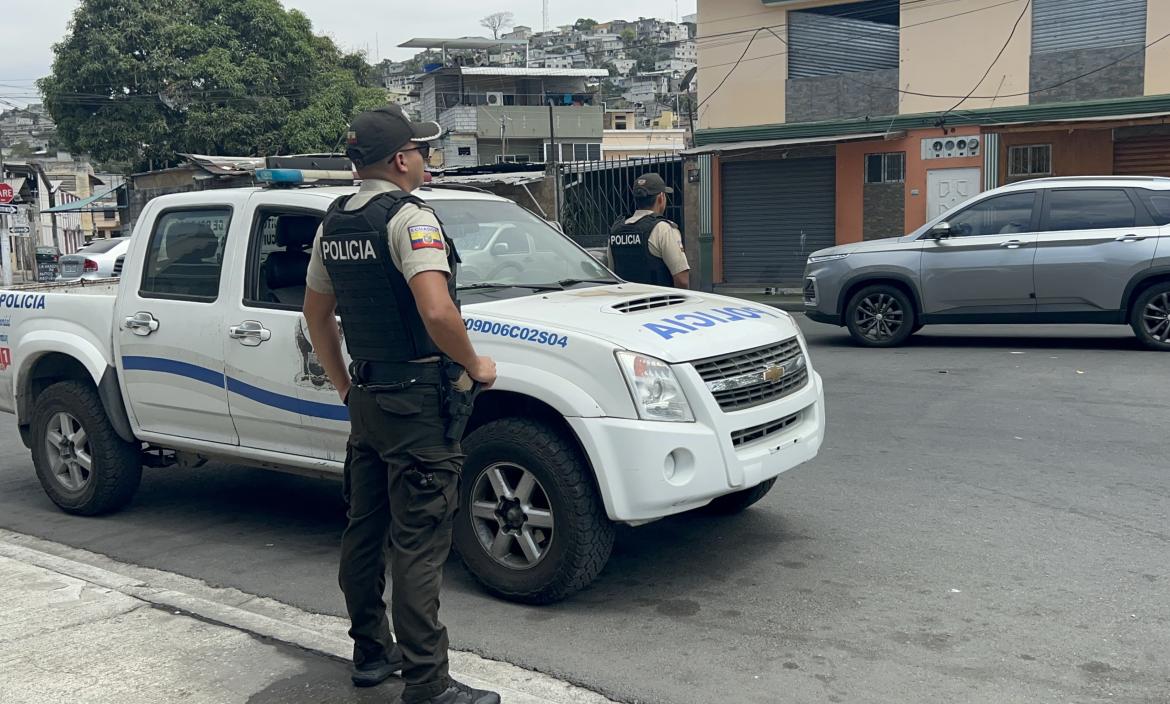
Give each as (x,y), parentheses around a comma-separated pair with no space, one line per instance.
(810,291)
(760,432)
(786,354)
(641,304)
(118,265)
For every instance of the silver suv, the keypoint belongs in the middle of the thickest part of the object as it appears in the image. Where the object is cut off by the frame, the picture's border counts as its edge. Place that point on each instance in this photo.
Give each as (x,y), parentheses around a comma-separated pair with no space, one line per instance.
(1052,250)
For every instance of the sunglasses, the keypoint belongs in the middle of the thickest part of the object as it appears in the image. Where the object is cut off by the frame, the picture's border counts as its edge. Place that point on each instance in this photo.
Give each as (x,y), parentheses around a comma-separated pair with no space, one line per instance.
(424,150)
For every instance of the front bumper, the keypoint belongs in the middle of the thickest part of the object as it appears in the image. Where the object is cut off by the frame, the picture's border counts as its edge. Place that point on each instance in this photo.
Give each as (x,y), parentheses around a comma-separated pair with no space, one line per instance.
(648,470)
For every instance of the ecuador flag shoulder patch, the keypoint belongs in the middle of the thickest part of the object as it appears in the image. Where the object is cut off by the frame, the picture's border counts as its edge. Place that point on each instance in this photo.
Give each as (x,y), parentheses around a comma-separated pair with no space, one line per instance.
(425,237)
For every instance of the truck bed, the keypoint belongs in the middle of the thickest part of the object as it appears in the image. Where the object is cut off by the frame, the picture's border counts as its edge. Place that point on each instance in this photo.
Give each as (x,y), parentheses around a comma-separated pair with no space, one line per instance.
(72,317)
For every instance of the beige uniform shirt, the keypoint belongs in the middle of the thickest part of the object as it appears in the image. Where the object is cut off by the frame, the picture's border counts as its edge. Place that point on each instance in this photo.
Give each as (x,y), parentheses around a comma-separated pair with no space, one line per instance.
(416,242)
(665,243)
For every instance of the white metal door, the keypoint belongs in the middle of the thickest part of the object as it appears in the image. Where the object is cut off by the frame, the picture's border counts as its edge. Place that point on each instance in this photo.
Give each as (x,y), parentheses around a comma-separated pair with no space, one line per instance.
(947,188)
(168,342)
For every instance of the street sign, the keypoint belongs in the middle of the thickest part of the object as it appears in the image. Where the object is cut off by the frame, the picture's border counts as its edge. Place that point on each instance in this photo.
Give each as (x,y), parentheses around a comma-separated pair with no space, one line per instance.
(6,194)
(19,229)
(8,209)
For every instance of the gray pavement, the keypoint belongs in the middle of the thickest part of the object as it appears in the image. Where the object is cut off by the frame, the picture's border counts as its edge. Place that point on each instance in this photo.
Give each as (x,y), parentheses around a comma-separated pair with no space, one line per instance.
(988,522)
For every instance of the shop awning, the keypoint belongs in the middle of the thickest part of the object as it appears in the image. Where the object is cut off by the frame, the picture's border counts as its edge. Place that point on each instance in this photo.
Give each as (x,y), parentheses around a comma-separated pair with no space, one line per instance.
(720,147)
(83,205)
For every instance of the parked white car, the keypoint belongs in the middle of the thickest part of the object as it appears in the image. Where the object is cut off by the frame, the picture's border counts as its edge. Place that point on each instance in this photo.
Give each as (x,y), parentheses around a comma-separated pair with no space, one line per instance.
(96,260)
(616,402)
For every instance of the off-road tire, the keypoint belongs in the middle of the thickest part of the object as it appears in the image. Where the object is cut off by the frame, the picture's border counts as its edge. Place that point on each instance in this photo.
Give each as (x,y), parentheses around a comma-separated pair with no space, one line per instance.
(582,536)
(116,464)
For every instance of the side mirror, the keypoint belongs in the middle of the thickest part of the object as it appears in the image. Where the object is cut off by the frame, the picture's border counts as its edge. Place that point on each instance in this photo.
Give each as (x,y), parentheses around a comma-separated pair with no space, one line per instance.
(940,231)
(499,248)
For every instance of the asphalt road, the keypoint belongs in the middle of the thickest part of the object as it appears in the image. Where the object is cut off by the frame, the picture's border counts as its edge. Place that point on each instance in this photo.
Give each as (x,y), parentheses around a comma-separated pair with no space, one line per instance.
(988,522)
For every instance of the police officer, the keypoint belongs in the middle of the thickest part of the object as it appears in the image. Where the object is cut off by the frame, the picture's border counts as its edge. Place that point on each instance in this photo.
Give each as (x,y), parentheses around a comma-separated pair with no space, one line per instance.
(382,261)
(647,247)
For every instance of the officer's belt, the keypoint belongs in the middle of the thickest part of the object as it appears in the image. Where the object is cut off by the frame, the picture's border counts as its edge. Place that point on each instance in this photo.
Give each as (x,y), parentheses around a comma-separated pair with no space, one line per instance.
(404,373)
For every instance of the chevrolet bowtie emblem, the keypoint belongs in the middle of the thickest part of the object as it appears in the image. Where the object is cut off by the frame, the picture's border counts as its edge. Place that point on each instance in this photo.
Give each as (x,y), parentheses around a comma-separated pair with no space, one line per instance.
(773,374)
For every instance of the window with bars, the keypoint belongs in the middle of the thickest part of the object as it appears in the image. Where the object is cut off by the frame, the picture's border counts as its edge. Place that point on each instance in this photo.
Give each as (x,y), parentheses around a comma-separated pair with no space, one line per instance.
(574,151)
(885,168)
(1030,160)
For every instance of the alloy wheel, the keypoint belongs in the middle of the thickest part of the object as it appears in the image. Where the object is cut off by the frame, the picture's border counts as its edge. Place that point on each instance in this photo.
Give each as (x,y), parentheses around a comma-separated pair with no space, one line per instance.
(512,516)
(879,316)
(70,456)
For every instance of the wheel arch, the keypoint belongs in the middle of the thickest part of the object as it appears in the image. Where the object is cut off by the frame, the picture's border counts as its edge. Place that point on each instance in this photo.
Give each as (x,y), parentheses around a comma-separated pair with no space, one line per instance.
(1139,284)
(899,281)
(43,368)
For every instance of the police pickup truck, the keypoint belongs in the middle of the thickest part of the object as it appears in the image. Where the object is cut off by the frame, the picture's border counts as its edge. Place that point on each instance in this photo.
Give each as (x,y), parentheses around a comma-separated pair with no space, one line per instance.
(616,402)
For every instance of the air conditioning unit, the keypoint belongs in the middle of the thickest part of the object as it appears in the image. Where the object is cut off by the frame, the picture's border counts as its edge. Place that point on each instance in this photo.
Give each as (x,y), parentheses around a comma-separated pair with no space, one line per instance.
(495,98)
(950,147)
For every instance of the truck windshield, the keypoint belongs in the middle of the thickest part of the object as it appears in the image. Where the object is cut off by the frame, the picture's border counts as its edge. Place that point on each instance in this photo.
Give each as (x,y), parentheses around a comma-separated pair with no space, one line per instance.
(502,243)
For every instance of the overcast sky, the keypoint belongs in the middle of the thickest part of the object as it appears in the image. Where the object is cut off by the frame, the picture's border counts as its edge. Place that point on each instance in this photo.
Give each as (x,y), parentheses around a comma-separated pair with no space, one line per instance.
(27,34)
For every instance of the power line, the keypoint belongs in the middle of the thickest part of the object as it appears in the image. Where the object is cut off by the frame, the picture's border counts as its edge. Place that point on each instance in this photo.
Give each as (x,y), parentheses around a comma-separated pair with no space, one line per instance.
(994,61)
(731,71)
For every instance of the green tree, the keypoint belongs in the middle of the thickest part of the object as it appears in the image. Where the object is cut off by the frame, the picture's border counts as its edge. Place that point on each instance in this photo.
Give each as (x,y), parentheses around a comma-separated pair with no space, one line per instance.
(584,24)
(142,81)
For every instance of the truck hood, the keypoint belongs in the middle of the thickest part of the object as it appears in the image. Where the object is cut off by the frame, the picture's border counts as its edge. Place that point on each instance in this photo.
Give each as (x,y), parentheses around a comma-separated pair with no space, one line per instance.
(670,324)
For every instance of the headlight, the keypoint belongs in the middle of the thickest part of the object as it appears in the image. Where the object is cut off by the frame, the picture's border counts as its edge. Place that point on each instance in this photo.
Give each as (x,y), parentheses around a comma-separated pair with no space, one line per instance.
(826,258)
(654,388)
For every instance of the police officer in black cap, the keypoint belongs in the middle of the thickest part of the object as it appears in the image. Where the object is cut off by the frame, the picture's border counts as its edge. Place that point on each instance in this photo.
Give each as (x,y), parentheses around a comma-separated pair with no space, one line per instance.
(382,261)
(647,247)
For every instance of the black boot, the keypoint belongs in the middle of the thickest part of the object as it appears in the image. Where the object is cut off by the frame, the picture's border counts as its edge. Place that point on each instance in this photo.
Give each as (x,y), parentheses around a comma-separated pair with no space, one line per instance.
(459,693)
(375,672)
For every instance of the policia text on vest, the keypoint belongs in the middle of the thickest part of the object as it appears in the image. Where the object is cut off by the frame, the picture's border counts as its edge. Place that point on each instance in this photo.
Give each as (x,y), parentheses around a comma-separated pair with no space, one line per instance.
(382,262)
(647,248)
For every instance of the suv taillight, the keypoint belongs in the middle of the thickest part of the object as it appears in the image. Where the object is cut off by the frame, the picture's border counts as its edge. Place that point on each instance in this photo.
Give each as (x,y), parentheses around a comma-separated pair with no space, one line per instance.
(90,265)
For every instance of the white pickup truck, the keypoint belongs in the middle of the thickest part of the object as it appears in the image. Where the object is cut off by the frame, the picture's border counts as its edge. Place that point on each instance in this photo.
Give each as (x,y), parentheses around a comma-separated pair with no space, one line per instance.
(616,402)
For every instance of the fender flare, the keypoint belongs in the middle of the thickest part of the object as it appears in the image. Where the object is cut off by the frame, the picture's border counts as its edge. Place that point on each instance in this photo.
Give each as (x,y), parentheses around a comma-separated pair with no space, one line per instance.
(864,276)
(36,344)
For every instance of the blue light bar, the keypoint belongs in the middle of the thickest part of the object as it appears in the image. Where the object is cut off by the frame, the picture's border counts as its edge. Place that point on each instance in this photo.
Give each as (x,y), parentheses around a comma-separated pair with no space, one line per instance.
(280,176)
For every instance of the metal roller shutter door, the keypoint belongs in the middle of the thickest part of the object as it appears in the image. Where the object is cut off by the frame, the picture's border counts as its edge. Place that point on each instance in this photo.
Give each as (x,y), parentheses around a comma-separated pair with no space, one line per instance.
(776,213)
(1060,25)
(1142,156)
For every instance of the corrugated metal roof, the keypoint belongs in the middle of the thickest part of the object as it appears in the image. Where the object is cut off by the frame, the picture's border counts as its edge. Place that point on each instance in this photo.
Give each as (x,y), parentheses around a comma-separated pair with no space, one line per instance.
(766,143)
(459,43)
(515,71)
(515,178)
(226,165)
(1047,112)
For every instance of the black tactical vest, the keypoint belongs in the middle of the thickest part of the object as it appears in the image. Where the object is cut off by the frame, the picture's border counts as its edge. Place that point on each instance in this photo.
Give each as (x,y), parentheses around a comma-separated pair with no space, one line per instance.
(629,244)
(378,311)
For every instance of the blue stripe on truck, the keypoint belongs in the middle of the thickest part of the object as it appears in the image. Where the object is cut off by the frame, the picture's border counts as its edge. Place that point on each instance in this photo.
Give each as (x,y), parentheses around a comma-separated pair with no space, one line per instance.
(291,404)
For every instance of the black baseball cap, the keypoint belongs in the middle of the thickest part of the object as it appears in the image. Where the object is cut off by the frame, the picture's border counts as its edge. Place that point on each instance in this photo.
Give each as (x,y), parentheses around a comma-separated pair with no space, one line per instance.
(378,134)
(650,185)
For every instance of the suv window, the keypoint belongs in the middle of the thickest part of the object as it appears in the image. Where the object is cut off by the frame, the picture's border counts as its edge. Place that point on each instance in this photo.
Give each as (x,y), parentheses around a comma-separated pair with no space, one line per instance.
(278,258)
(1089,209)
(997,215)
(1158,203)
(185,255)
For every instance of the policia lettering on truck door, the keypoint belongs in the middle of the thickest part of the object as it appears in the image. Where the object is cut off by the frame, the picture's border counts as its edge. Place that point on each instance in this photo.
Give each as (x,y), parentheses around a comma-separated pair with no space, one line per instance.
(382,261)
(647,248)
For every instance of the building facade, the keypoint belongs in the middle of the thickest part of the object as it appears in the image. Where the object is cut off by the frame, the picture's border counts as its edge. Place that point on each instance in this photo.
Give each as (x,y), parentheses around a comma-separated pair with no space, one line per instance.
(499,114)
(850,120)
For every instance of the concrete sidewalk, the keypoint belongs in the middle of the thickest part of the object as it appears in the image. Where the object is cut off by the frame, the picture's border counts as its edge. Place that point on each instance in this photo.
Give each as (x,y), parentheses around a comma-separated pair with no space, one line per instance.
(81,628)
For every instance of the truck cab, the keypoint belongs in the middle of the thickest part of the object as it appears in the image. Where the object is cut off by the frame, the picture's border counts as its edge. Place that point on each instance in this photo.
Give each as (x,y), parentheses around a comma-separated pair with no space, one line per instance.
(615,403)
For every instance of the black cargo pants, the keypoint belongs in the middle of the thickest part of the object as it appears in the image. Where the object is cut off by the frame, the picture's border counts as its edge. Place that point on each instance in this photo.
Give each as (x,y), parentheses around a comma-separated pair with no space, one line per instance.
(402,488)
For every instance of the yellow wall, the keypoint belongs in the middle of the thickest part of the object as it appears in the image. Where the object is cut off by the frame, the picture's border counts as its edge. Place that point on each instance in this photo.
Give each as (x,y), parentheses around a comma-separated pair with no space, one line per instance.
(754,93)
(1157,56)
(948,56)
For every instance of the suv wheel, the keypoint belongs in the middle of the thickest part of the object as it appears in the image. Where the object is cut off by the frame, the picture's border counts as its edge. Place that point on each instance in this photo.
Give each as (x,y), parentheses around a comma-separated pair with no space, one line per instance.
(1150,317)
(82,464)
(880,316)
(531,527)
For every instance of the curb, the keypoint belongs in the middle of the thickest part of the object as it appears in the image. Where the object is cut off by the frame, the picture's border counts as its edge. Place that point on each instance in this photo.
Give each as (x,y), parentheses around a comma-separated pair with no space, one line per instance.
(267,618)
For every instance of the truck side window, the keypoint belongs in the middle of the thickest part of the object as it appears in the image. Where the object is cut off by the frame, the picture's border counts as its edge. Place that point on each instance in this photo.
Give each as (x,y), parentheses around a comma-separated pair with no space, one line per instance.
(185,255)
(278,258)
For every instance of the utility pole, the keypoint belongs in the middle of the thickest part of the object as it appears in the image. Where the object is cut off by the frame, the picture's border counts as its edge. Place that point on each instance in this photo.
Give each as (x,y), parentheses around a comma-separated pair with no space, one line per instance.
(553,150)
(545,16)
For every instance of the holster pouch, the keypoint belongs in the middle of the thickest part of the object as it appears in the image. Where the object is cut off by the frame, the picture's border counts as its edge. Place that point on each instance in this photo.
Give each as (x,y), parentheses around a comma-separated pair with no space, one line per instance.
(458,392)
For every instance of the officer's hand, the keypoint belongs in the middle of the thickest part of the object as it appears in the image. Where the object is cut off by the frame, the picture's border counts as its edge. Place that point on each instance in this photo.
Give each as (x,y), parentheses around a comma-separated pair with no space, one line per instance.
(484,371)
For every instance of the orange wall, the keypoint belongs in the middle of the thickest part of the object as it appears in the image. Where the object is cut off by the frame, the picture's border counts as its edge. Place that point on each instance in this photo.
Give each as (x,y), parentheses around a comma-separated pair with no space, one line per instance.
(851,177)
(1074,152)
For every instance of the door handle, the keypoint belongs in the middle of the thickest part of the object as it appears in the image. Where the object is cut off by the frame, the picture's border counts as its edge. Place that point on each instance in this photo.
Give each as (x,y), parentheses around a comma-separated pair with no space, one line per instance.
(250,333)
(1129,238)
(1012,244)
(141,323)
